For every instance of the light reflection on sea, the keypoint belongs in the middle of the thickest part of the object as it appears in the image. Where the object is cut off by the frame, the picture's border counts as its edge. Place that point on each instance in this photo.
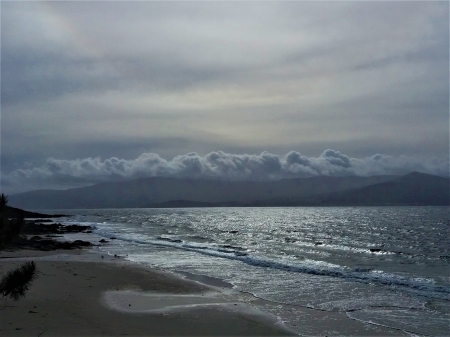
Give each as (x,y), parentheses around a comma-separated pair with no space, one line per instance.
(385,265)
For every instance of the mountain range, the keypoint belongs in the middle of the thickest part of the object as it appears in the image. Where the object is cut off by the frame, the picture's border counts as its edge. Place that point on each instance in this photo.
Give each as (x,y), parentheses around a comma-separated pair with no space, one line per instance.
(412,189)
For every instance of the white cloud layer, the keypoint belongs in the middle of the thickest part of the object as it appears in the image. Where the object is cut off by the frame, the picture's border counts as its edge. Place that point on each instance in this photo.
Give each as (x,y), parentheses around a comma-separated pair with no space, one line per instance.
(215,165)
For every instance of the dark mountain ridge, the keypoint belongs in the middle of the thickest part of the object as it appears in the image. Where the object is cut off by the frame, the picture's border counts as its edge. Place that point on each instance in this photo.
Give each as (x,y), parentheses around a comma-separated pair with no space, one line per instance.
(412,189)
(157,190)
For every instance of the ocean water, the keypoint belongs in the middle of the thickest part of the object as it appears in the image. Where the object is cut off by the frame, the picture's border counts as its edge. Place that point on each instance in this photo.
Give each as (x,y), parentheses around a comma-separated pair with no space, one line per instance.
(387,266)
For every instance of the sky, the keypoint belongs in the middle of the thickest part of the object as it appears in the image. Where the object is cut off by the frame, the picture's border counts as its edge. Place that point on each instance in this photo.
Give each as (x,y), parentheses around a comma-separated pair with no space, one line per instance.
(96,91)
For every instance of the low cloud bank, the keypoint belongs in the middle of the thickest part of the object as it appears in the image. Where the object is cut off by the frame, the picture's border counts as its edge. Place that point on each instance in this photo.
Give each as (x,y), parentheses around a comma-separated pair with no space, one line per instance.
(58,173)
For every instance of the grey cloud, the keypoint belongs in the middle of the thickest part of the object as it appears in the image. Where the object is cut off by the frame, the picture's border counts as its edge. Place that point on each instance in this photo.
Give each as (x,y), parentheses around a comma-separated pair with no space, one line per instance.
(296,158)
(336,158)
(34,80)
(155,50)
(117,79)
(227,166)
(216,165)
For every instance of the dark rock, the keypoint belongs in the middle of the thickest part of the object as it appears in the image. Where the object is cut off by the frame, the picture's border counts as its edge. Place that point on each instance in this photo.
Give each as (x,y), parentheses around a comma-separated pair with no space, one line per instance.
(65,245)
(33,227)
(42,232)
(81,243)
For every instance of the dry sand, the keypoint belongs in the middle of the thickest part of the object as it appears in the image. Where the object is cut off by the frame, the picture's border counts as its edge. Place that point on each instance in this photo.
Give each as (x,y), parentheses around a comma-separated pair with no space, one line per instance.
(67,299)
(82,294)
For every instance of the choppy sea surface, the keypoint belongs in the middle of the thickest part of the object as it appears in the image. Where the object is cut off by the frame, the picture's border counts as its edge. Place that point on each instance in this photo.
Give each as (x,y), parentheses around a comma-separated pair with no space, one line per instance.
(381,265)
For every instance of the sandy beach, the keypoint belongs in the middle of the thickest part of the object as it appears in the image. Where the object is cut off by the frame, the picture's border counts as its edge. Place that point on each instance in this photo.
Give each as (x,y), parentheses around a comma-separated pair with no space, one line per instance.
(78,293)
(66,299)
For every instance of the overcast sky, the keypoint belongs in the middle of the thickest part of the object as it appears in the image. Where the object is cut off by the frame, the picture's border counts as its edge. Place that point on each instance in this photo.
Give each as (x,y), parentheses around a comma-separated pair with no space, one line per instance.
(97,91)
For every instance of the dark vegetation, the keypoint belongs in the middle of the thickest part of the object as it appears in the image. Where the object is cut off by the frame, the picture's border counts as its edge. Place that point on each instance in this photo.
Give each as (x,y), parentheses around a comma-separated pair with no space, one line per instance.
(16,282)
(12,212)
(10,227)
(18,233)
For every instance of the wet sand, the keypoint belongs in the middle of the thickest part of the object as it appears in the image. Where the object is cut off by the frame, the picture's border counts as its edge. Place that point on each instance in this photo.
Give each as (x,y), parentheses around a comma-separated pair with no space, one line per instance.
(82,294)
(67,298)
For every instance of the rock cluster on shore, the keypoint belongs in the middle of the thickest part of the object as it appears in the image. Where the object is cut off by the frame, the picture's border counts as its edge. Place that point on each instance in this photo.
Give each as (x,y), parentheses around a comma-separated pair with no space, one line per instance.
(39,235)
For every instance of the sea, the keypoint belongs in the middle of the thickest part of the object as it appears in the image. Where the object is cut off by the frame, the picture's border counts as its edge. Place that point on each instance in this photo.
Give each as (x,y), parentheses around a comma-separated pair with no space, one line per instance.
(386,266)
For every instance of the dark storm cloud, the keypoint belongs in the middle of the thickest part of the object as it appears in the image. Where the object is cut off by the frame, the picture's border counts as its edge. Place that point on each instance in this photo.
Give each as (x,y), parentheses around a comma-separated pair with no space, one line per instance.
(217,165)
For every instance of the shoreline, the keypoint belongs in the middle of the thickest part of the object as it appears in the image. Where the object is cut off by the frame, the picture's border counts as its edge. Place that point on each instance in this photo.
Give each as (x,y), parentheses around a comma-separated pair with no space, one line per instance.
(79,292)
(68,298)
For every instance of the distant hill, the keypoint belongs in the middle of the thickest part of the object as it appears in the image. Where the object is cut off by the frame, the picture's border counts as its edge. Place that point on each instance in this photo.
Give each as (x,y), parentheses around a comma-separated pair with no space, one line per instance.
(412,189)
(162,192)
(409,190)
(166,192)
(12,212)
